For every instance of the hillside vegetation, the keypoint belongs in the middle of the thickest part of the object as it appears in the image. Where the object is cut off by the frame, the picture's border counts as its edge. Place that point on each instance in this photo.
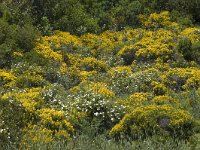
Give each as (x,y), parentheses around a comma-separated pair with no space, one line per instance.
(131,84)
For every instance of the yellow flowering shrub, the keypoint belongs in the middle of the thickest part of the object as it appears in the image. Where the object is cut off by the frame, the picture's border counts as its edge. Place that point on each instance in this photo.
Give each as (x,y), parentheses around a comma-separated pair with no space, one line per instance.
(149,47)
(101,88)
(192,33)
(89,39)
(182,78)
(30,80)
(7,79)
(38,121)
(193,82)
(45,50)
(136,100)
(145,120)
(82,68)
(165,99)
(158,20)
(159,88)
(158,43)
(120,70)
(30,99)
(70,68)
(96,87)
(102,44)
(127,53)
(90,64)
(19,108)
(56,121)
(153,44)
(115,37)
(63,68)
(34,134)
(161,65)
(134,35)
(84,75)
(139,96)
(112,40)
(65,38)
(50,46)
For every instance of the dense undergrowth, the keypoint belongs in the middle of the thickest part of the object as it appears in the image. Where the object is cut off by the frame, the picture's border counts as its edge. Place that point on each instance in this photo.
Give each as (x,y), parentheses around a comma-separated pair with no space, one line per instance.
(138,88)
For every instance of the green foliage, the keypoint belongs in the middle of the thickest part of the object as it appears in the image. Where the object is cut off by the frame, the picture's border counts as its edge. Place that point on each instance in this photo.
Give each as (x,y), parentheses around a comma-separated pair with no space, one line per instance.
(185,47)
(79,17)
(101,142)
(66,15)
(16,12)
(15,40)
(196,52)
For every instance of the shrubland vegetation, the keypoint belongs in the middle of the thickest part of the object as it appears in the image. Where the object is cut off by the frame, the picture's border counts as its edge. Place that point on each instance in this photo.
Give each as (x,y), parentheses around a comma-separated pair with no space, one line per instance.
(103,74)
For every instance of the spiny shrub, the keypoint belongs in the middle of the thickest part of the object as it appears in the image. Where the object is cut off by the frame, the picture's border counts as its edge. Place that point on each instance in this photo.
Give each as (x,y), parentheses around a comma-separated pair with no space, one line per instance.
(154,119)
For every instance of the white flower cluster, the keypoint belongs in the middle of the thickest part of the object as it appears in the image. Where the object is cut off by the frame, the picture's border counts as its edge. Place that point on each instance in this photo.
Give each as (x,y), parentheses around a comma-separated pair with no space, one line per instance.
(4,131)
(53,98)
(127,84)
(123,83)
(97,105)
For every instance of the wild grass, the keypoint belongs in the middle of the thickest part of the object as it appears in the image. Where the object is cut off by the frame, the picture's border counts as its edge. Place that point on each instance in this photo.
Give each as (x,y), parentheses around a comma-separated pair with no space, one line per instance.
(101,142)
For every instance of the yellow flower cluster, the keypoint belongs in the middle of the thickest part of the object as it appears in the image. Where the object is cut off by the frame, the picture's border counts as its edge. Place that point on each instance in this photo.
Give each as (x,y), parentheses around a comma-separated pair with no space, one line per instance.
(7,78)
(147,118)
(159,88)
(97,87)
(84,75)
(101,88)
(165,99)
(160,65)
(34,134)
(49,46)
(60,38)
(45,50)
(90,64)
(82,67)
(55,120)
(133,35)
(192,33)
(189,77)
(63,68)
(104,43)
(120,69)
(17,54)
(29,98)
(139,96)
(158,20)
(136,100)
(151,45)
